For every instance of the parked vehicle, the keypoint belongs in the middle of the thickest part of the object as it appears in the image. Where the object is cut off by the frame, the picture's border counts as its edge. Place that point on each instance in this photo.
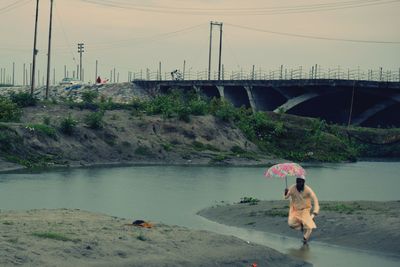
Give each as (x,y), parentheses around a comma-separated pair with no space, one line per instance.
(70,81)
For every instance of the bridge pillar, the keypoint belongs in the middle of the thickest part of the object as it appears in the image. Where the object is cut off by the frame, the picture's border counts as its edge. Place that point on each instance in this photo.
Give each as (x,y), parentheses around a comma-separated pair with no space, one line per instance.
(251,98)
(220,89)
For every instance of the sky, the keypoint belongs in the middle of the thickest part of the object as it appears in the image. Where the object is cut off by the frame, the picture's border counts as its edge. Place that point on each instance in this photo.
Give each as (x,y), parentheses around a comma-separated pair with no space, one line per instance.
(135,35)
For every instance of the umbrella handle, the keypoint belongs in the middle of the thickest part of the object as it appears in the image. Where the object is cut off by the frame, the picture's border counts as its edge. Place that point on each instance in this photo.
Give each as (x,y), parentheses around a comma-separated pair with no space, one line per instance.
(286,181)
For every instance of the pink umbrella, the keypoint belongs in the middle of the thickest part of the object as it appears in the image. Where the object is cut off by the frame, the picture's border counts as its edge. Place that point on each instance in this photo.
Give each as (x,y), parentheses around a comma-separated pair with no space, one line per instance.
(283,170)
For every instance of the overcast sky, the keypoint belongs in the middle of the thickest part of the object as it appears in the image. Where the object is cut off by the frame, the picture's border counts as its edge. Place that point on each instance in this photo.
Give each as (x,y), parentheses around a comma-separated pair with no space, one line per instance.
(131,35)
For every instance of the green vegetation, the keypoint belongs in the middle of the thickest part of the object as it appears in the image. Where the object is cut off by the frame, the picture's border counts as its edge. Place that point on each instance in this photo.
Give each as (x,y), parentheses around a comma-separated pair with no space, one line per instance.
(277,212)
(46,120)
(43,129)
(9,111)
(342,208)
(23,99)
(199,146)
(249,200)
(95,120)
(68,125)
(55,236)
(88,97)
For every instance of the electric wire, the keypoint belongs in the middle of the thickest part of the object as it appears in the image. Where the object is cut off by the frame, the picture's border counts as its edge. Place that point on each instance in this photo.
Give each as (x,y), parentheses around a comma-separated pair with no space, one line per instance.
(314,37)
(17,4)
(243,11)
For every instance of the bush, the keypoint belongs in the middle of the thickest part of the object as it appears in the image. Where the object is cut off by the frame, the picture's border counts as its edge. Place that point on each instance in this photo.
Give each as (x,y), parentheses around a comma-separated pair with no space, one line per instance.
(95,120)
(222,109)
(68,125)
(23,99)
(44,129)
(198,106)
(46,120)
(9,111)
(89,96)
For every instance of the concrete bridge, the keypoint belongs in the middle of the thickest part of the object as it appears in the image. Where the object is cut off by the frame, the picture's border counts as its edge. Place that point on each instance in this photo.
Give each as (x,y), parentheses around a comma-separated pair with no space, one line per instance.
(364,103)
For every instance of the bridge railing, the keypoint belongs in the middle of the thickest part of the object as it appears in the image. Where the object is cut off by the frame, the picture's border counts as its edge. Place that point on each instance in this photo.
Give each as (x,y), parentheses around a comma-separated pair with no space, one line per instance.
(315,72)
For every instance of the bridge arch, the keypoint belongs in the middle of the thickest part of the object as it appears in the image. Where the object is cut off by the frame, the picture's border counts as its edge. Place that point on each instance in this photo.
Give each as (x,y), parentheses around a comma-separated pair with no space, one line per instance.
(237,95)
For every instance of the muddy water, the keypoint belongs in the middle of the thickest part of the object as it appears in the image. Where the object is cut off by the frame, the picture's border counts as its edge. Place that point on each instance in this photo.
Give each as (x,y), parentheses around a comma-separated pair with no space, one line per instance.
(173,195)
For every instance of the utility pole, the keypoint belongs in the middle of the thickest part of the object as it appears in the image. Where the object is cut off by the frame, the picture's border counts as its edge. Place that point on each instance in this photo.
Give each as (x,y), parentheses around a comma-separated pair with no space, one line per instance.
(13,75)
(220,51)
(80,51)
(49,49)
(212,23)
(184,68)
(209,51)
(35,51)
(23,76)
(95,78)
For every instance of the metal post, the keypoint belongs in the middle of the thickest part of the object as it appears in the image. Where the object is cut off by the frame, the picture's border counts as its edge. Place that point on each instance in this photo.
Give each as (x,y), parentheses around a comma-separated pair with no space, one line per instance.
(13,74)
(49,50)
(220,51)
(184,68)
(35,51)
(95,78)
(80,51)
(209,51)
(159,68)
(23,76)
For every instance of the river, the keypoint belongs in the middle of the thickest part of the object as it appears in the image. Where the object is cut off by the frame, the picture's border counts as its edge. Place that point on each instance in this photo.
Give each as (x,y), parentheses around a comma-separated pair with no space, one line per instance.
(173,195)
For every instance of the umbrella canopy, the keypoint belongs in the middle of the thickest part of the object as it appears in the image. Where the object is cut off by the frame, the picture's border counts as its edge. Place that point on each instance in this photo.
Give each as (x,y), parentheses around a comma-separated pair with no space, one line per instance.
(283,170)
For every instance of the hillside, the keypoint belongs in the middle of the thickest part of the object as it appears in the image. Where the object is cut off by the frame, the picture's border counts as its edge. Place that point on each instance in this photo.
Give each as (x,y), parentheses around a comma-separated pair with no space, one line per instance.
(91,126)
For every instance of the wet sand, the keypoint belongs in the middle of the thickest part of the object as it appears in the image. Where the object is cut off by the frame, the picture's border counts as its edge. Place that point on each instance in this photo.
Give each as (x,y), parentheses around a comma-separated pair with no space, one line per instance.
(366,225)
(66,237)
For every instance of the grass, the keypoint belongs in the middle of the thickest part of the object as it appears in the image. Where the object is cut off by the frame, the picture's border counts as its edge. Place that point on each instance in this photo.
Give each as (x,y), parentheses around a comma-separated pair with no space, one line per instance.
(199,146)
(249,200)
(44,129)
(276,213)
(54,236)
(342,208)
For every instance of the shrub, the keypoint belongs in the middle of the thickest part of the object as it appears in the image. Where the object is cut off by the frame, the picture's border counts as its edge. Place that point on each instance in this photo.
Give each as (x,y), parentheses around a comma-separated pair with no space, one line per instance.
(250,200)
(89,96)
(68,125)
(198,106)
(223,109)
(23,99)
(44,129)
(95,120)
(46,120)
(9,111)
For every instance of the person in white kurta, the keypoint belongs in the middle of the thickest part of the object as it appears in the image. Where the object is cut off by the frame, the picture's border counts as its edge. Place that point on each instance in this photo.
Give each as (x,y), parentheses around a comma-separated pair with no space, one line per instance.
(300,216)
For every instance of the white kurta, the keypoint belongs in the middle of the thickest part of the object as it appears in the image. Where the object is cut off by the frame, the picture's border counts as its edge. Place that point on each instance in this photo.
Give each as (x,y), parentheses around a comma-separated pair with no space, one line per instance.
(300,206)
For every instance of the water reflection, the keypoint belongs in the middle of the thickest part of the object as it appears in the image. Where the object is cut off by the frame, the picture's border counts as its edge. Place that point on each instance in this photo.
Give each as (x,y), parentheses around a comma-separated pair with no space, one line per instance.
(302,253)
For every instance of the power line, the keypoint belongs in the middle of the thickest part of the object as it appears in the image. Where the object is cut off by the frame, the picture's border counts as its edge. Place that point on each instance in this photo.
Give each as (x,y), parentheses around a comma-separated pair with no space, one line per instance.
(314,37)
(277,10)
(18,3)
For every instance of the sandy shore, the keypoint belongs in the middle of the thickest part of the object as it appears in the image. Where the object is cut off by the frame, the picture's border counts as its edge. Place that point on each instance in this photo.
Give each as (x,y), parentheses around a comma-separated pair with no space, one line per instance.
(366,225)
(65,237)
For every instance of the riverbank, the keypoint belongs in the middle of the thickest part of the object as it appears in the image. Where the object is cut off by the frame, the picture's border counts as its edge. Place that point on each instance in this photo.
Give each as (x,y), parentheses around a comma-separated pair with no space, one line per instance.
(66,237)
(366,225)
(180,128)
